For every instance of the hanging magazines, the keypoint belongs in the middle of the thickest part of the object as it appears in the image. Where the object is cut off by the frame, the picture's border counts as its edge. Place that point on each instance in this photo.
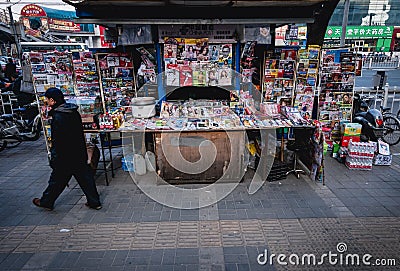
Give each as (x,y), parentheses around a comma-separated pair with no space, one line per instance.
(88,97)
(61,70)
(279,77)
(117,80)
(52,69)
(337,86)
(306,79)
(193,62)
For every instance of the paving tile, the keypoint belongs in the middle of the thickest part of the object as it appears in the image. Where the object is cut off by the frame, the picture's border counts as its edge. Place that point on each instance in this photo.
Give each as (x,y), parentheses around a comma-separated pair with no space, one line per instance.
(133,232)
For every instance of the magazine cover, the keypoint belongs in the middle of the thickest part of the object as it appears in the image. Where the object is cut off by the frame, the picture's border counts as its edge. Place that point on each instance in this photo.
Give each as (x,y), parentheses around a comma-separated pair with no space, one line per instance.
(125,61)
(203,53)
(248,50)
(268,88)
(180,51)
(246,76)
(214,52)
(172,73)
(313,52)
(289,54)
(147,58)
(225,77)
(212,77)
(225,54)
(302,67)
(272,73)
(170,50)
(303,54)
(150,76)
(191,50)
(305,103)
(288,84)
(288,68)
(186,78)
(259,33)
(271,64)
(199,78)
(112,61)
(278,84)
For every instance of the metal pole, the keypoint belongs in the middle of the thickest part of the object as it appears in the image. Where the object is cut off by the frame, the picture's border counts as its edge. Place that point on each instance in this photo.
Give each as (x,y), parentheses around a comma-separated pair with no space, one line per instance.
(344,22)
(385,98)
(14,32)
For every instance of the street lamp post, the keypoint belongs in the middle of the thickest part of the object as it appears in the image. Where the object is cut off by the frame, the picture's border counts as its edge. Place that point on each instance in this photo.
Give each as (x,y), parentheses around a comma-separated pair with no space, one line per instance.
(344,22)
(15,33)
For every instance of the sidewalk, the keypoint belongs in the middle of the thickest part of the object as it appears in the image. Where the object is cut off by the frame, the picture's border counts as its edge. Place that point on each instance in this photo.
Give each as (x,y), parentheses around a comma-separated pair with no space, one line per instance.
(133,232)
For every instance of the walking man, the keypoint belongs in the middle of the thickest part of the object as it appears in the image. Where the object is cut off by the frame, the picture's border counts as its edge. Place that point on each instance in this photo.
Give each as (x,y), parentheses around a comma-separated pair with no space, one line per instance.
(68,153)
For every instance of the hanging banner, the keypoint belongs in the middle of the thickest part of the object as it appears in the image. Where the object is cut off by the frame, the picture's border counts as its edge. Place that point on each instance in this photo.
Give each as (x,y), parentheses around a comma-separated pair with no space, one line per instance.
(259,33)
(215,33)
(135,34)
(360,32)
(63,25)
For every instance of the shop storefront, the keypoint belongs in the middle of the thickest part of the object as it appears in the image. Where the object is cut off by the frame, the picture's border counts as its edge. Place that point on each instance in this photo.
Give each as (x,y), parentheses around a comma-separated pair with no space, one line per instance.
(205,79)
(361,38)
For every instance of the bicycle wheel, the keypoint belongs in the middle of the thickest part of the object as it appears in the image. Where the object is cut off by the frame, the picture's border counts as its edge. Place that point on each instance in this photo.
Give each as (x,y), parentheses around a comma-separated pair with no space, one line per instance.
(392,130)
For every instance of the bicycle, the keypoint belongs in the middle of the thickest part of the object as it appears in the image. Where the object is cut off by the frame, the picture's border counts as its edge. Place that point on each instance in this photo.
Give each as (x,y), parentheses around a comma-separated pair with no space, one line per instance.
(391,124)
(16,128)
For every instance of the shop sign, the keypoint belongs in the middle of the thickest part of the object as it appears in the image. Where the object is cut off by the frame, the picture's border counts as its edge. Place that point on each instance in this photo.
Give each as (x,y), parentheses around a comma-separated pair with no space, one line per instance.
(32,10)
(214,33)
(35,26)
(360,32)
(63,25)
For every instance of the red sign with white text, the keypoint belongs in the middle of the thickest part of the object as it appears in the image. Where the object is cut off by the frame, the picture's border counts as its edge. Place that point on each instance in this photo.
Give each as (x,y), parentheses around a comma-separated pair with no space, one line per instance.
(32,10)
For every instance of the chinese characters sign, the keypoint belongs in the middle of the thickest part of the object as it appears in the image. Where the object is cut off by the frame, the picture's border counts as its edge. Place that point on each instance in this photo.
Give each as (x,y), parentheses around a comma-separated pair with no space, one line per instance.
(360,32)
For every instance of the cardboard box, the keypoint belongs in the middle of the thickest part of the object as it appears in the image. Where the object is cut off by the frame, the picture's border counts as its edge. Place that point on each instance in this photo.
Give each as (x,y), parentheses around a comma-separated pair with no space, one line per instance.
(382,160)
(351,129)
(346,139)
(383,157)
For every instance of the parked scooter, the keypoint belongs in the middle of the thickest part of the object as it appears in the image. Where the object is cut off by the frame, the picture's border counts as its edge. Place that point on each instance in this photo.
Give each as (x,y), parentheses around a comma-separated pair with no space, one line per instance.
(370,119)
(23,125)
